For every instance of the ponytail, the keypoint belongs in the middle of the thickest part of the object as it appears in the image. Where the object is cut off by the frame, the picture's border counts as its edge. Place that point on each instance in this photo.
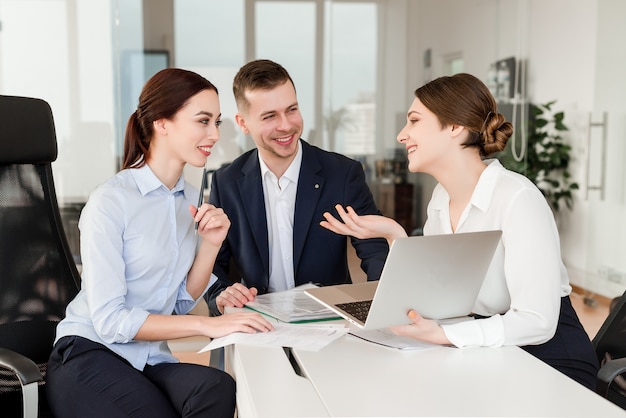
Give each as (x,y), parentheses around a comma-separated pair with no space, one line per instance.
(135,148)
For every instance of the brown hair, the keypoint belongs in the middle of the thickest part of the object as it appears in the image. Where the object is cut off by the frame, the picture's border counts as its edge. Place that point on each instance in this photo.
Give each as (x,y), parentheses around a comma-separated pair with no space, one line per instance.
(161,97)
(463,99)
(258,75)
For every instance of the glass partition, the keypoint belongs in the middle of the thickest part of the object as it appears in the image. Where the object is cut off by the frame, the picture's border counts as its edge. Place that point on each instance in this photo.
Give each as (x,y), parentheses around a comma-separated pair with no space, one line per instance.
(356,64)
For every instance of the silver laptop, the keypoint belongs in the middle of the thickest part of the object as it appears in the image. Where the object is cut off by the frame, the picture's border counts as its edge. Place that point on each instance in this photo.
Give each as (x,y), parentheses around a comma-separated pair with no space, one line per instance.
(439,276)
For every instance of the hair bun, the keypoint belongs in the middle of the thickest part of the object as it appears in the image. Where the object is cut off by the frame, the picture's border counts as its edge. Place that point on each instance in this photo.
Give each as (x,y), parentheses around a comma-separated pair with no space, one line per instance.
(496,133)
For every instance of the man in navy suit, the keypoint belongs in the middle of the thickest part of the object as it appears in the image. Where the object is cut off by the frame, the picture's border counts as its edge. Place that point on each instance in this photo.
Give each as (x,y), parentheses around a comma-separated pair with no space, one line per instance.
(275,196)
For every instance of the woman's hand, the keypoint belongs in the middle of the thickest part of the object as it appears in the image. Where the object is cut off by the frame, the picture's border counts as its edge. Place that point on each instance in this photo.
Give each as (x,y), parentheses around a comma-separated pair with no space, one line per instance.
(213,223)
(422,329)
(248,322)
(363,227)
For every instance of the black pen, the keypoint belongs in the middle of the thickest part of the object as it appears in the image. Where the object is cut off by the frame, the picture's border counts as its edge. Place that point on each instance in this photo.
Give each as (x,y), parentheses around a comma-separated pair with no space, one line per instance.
(201,197)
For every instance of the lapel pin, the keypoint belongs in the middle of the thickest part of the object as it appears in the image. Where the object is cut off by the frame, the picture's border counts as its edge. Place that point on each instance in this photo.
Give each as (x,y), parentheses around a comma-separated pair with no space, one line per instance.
(317,186)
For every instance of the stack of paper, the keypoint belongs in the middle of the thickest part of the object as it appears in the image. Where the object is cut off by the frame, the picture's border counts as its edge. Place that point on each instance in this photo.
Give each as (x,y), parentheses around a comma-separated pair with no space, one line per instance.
(291,306)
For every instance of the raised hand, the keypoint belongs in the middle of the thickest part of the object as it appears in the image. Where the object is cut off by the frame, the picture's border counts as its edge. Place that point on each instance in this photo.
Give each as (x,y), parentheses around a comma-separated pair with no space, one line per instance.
(362,227)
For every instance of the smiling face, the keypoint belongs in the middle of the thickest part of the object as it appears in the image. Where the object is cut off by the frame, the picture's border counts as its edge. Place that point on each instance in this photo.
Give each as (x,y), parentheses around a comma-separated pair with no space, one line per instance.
(426,141)
(193,130)
(272,118)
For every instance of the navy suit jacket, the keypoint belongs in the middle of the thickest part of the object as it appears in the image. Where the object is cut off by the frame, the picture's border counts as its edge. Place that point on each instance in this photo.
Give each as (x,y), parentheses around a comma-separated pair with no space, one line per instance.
(319,255)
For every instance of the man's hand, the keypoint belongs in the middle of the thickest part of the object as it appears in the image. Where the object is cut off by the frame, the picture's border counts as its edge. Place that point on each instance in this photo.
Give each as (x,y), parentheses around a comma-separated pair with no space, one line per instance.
(236,296)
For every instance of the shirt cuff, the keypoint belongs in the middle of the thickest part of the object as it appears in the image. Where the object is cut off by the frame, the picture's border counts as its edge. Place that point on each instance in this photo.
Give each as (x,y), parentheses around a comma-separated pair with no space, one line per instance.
(488,332)
(185,302)
(130,327)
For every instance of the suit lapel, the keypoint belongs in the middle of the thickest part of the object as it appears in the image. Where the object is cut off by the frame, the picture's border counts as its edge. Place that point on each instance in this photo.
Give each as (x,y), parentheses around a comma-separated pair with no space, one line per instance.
(310,186)
(251,194)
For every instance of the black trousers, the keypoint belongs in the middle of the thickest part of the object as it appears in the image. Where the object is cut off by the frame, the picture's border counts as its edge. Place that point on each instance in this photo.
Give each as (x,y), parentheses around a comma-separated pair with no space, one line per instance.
(86,379)
(570,350)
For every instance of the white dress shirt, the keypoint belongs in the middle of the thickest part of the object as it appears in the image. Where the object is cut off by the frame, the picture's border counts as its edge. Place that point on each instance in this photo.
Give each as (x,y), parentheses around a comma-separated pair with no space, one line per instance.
(137,246)
(527,278)
(280,203)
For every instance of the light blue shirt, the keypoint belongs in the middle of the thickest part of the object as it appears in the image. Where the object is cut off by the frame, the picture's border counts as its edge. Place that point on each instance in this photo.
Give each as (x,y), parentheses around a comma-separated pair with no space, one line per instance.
(137,246)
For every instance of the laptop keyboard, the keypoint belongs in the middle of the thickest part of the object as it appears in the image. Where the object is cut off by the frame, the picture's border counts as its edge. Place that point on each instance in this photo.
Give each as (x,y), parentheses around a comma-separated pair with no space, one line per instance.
(358,309)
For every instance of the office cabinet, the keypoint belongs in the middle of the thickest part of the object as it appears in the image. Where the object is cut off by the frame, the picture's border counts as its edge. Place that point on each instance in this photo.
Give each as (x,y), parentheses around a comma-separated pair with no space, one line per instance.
(396,200)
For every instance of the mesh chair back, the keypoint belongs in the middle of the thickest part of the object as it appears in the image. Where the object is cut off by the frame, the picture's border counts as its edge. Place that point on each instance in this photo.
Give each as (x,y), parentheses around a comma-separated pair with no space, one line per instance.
(610,343)
(611,338)
(38,276)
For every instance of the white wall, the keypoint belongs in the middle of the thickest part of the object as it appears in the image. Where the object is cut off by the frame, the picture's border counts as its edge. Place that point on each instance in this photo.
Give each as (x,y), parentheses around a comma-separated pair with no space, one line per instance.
(559,40)
(48,49)
(597,224)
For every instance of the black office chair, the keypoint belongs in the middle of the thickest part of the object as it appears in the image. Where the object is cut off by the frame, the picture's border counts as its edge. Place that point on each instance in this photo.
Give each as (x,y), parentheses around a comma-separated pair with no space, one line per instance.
(610,346)
(38,276)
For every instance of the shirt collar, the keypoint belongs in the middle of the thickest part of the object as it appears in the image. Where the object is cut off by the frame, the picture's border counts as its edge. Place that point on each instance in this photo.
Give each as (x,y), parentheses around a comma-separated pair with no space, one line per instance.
(292,172)
(148,182)
(483,192)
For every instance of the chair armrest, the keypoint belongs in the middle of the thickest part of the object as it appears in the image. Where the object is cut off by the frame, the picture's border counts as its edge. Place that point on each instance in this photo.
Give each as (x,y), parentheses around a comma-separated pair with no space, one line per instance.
(25,369)
(29,376)
(608,372)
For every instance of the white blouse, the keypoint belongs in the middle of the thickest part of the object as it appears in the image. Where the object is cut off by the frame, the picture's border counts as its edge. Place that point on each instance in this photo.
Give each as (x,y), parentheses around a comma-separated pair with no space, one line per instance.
(527,278)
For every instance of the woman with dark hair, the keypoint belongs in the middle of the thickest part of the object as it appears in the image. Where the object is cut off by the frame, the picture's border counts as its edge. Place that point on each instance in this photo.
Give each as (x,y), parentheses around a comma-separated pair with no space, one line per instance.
(452,125)
(142,261)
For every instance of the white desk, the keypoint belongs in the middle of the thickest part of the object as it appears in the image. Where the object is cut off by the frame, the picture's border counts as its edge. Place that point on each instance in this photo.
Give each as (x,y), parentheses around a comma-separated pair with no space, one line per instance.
(351,377)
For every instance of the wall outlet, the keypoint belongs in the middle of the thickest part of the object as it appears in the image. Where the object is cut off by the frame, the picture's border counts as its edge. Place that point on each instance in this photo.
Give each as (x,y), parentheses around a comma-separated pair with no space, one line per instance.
(616,277)
(611,275)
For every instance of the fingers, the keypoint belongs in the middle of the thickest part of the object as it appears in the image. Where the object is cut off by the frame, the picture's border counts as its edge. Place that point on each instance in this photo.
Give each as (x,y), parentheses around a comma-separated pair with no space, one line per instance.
(236,296)
(255,322)
(361,227)
(246,322)
(409,330)
(422,329)
(347,227)
(249,323)
(350,218)
(209,217)
(332,224)
(404,330)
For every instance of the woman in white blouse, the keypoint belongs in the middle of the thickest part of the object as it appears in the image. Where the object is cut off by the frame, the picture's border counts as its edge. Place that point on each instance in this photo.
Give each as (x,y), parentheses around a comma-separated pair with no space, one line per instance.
(452,126)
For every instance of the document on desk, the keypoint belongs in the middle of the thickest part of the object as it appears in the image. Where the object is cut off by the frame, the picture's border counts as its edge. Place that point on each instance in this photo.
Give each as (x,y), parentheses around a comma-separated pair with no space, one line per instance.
(291,305)
(384,336)
(302,337)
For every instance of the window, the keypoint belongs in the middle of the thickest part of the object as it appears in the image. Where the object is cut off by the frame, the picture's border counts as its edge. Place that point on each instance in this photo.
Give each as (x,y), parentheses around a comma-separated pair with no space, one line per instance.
(328,47)
(350,90)
(209,39)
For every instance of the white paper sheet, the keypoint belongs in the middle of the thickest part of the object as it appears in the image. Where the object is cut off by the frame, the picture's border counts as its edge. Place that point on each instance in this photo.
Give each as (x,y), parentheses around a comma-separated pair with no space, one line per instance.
(385,337)
(303,337)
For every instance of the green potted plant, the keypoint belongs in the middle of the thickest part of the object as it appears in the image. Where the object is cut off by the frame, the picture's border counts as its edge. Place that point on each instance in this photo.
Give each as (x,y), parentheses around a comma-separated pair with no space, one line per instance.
(547,157)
